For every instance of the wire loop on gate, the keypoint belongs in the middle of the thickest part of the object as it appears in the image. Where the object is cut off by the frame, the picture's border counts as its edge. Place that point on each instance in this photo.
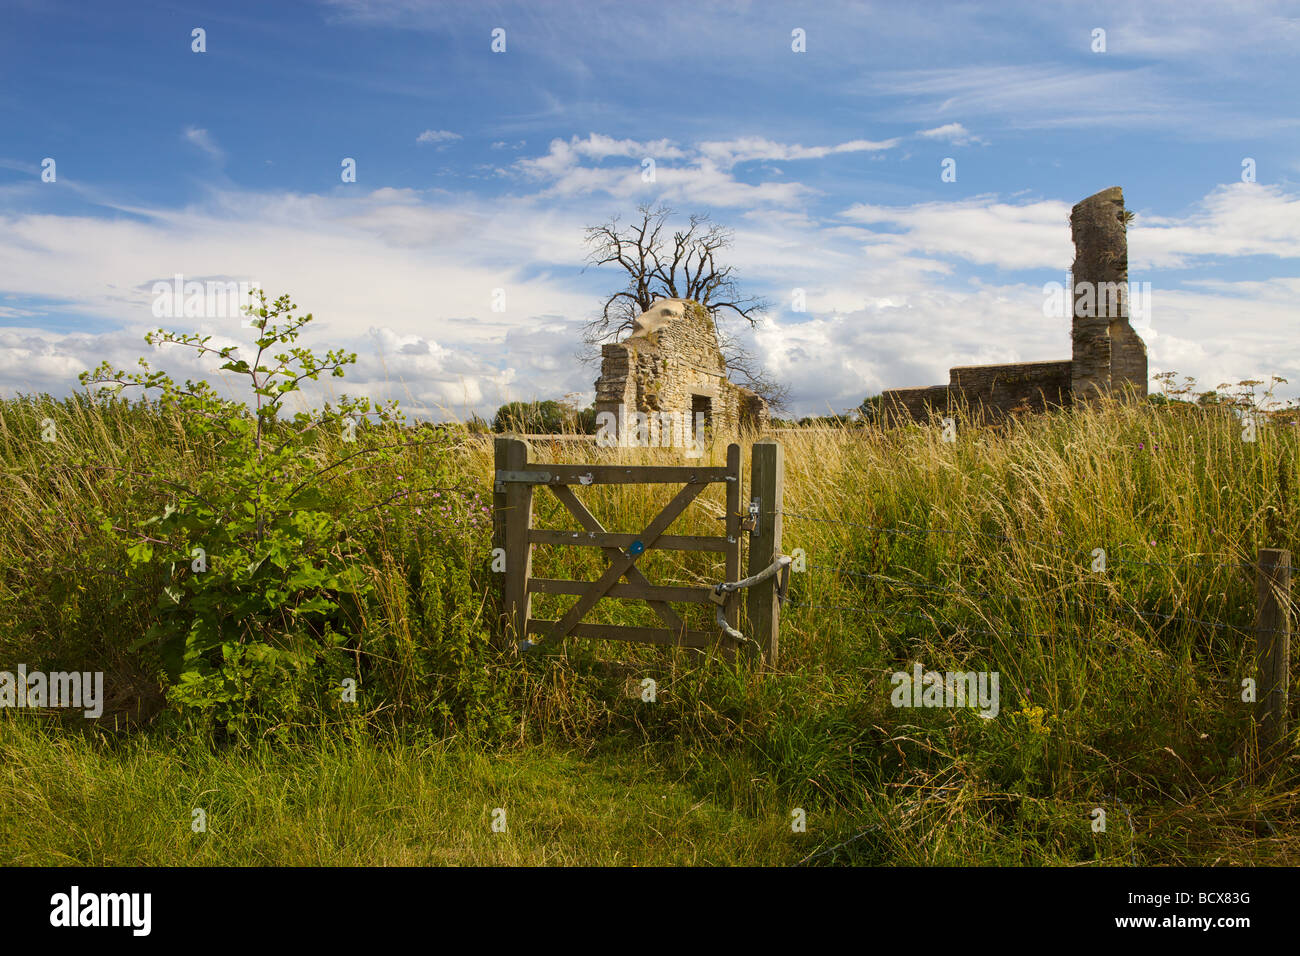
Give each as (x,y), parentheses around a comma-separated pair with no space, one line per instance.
(781,563)
(780,566)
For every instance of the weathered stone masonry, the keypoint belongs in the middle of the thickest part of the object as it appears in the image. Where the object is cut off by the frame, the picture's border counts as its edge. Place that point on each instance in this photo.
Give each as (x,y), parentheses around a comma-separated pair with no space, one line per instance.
(671,363)
(1107,355)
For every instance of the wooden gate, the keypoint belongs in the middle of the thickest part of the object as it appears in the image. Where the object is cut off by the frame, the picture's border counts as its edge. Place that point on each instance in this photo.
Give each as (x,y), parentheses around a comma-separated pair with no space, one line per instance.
(515,480)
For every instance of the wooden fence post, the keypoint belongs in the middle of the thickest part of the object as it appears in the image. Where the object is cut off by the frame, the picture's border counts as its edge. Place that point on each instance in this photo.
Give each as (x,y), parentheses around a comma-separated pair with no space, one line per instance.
(500,446)
(767,477)
(1272,645)
(512,512)
(734,519)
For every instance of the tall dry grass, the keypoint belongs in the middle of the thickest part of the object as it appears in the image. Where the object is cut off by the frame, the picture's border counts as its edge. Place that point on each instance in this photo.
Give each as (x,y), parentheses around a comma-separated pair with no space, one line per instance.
(1118,690)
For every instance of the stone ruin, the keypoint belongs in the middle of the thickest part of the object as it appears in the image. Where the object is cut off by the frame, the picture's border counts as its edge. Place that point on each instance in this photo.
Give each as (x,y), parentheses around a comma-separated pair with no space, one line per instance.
(671,369)
(1108,357)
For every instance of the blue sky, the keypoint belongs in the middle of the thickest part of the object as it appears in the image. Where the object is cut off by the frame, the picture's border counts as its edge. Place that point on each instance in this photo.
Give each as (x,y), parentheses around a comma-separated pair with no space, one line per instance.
(478,170)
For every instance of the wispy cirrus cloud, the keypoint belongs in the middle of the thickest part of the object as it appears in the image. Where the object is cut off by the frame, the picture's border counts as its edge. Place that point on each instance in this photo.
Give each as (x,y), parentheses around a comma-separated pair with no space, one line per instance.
(703,172)
(202,139)
(437,136)
(728,153)
(1164,30)
(953,133)
(1033,96)
(1029,96)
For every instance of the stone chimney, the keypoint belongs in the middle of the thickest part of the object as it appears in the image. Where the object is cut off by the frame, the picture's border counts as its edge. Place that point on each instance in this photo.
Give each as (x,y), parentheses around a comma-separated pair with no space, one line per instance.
(1107,353)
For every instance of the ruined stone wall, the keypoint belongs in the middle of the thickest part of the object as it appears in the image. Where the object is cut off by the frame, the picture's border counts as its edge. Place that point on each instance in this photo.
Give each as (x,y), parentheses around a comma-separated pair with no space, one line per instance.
(914,404)
(1001,389)
(754,412)
(991,392)
(1107,353)
(662,371)
(617,383)
(1128,359)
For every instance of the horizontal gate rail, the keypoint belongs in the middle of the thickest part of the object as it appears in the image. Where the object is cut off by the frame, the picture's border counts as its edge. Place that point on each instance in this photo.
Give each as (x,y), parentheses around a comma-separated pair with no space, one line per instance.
(637,635)
(625,592)
(609,539)
(614,475)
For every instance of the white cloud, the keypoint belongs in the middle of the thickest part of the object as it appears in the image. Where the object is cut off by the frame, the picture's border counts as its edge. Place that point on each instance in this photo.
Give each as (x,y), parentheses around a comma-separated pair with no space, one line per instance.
(981,230)
(954,133)
(437,136)
(912,336)
(1053,96)
(1164,30)
(1239,219)
(1036,96)
(405,277)
(836,357)
(698,175)
(563,158)
(749,148)
(390,260)
(203,140)
(892,318)
(598,147)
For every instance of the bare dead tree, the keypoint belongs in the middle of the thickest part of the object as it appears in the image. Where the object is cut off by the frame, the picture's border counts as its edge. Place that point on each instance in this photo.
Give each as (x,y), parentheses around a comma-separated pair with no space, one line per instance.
(684,265)
(633,250)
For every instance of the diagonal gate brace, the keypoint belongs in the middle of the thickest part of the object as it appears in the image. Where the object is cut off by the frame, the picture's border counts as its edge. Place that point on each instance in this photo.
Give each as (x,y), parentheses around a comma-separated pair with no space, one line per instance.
(621,564)
(591,523)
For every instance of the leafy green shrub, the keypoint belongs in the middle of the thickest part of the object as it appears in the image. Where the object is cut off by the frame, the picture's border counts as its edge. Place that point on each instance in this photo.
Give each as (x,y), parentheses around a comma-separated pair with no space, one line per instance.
(263,578)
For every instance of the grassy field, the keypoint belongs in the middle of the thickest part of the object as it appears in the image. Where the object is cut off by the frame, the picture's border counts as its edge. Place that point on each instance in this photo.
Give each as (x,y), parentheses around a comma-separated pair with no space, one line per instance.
(1117,689)
(349,803)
